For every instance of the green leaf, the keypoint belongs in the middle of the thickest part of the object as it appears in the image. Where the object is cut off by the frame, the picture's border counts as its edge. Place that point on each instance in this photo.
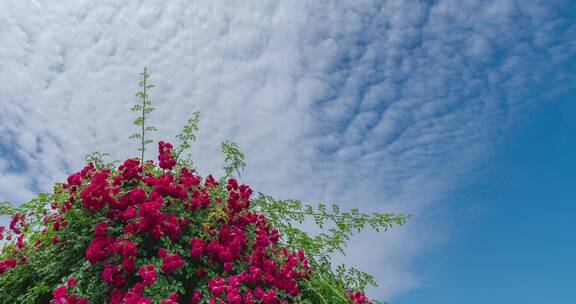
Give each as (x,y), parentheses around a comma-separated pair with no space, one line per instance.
(139,121)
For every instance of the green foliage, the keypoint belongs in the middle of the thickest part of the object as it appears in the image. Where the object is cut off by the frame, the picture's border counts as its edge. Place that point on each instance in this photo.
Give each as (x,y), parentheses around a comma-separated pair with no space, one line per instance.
(144,108)
(342,225)
(47,266)
(233,159)
(97,158)
(188,134)
(7,209)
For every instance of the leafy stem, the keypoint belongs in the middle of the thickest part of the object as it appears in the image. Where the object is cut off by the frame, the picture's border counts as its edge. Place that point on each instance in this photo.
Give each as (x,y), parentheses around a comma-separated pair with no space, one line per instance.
(188,134)
(233,158)
(144,108)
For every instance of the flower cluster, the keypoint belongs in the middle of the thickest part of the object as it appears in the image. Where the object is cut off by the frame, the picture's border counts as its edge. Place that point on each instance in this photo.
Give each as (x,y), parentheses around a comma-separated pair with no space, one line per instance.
(170,262)
(7,264)
(359,297)
(166,161)
(16,229)
(148,274)
(164,234)
(61,295)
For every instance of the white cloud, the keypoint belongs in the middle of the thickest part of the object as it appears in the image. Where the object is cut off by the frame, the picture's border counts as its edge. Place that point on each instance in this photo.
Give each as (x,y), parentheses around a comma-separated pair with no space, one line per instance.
(382,105)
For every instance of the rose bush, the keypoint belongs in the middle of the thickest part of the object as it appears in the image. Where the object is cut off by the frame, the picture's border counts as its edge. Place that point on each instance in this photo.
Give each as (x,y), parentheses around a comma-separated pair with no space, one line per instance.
(147,232)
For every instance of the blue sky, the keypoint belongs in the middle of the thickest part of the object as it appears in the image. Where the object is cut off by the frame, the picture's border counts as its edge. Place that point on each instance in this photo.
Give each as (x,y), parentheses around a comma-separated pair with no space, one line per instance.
(457,112)
(519,245)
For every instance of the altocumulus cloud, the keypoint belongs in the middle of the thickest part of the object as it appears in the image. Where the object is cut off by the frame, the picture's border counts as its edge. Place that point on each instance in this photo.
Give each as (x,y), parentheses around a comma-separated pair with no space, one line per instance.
(384,105)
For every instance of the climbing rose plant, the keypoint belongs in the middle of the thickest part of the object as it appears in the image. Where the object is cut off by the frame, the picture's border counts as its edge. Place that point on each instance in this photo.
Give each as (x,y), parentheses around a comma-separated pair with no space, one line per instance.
(158,232)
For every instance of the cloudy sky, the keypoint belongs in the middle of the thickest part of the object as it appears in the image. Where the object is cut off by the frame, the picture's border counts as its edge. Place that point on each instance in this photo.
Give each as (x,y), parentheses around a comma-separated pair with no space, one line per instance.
(409,106)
